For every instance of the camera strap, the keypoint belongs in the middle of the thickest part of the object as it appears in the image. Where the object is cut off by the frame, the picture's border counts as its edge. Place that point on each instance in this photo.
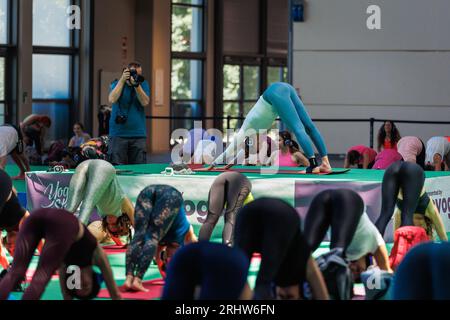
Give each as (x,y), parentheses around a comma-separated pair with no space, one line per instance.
(130,102)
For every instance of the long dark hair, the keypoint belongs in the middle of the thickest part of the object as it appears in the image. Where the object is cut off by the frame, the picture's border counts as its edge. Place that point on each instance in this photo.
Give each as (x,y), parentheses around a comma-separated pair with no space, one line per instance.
(80,125)
(394,136)
(249,140)
(123,222)
(288,142)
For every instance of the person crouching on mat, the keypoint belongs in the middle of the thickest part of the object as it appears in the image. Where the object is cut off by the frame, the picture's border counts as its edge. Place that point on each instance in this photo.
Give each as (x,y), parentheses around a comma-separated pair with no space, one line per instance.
(12,216)
(231,190)
(351,229)
(207,271)
(67,243)
(438,154)
(95,185)
(412,150)
(281,99)
(272,228)
(361,156)
(11,143)
(386,158)
(288,153)
(161,228)
(423,273)
(416,216)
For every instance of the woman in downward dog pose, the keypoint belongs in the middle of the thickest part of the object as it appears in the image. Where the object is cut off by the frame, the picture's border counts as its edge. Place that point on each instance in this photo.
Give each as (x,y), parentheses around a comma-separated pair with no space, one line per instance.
(161,228)
(281,99)
(12,217)
(95,185)
(351,229)
(416,216)
(272,228)
(231,190)
(67,243)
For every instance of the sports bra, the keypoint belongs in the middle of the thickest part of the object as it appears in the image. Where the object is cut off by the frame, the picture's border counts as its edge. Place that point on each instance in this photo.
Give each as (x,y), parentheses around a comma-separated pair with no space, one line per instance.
(12,213)
(422,205)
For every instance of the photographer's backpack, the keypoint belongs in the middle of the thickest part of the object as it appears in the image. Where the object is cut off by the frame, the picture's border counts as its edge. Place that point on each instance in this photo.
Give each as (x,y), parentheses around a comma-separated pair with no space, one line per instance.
(337,274)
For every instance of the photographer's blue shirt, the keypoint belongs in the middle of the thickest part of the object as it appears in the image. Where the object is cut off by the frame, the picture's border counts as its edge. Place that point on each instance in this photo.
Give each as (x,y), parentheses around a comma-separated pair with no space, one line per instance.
(129,105)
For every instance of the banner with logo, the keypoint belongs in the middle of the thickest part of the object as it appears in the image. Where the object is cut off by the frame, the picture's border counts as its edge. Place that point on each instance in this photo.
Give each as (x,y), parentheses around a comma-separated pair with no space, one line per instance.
(50,190)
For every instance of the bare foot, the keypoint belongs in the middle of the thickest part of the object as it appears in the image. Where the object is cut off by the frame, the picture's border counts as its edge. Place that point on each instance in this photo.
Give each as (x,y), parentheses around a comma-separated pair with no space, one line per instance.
(316,170)
(137,285)
(128,285)
(324,168)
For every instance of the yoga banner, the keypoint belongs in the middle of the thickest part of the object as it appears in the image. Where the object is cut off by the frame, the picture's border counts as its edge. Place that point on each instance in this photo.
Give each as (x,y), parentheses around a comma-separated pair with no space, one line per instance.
(50,190)
(439,191)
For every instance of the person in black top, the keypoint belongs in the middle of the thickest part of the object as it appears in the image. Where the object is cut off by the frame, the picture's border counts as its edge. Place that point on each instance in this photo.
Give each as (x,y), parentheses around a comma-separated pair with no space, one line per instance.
(207,271)
(67,243)
(272,228)
(12,216)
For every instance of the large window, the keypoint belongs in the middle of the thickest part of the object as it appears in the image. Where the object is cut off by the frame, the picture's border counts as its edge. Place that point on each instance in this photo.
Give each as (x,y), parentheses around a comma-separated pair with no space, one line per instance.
(240,92)
(188,58)
(277,74)
(255,46)
(54,55)
(2,90)
(4,20)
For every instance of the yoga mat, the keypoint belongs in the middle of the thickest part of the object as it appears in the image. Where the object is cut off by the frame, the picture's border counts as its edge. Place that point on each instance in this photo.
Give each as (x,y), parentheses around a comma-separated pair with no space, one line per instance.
(114,249)
(155,288)
(281,171)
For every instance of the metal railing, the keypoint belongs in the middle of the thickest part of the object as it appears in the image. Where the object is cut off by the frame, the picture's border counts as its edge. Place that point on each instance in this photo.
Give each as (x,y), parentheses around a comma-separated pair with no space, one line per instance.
(371,121)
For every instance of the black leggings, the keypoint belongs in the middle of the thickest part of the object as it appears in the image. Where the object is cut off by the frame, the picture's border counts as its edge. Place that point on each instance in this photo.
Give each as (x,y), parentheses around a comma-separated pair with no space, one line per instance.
(59,228)
(156,209)
(273,228)
(339,209)
(230,188)
(420,160)
(408,176)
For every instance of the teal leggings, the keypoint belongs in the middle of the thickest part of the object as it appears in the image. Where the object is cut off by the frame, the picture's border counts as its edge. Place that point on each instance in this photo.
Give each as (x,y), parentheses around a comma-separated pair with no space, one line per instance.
(290,108)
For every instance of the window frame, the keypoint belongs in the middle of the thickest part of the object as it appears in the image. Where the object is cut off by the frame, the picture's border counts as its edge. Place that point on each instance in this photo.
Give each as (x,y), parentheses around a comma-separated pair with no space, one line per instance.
(8,51)
(242,100)
(73,51)
(263,58)
(189,56)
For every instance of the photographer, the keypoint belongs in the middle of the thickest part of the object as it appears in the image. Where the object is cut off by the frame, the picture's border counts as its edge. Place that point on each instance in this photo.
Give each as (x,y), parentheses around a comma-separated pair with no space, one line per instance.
(128,132)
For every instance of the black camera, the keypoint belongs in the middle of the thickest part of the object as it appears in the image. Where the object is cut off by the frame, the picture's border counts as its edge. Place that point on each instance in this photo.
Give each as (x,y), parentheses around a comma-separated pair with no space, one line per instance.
(136,77)
(121,119)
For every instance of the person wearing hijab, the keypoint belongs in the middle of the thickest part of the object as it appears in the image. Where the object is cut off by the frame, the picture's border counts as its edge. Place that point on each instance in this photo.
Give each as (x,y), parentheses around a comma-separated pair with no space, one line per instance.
(207,271)
(423,273)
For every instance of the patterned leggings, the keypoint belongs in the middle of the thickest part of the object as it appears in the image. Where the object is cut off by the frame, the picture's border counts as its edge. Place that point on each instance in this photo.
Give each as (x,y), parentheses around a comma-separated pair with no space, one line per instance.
(156,208)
